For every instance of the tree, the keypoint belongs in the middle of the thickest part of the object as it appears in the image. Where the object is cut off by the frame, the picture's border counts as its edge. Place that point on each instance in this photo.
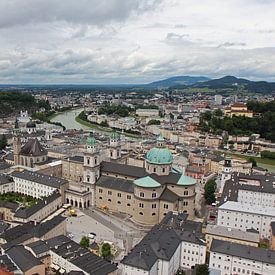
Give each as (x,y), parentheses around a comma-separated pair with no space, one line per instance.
(85,242)
(3,142)
(106,251)
(254,162)
(153,122)
(217,112)
(202,270)
(209,191)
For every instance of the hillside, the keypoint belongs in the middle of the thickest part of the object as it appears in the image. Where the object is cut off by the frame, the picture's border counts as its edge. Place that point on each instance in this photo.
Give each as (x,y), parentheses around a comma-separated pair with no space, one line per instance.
(13,102)
(177,80)
(234,83)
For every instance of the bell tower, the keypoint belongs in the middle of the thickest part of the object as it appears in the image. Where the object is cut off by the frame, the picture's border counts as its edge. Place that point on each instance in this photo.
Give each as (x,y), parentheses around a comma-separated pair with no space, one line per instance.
(114,146)
(91,165)
(226,171)
(16,143)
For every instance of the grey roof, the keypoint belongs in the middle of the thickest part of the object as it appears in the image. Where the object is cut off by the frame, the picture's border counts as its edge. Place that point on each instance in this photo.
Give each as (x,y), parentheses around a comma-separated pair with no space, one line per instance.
(40,178)
(23,258)
(39,247)
(83,258)
(237,182)
(243,251)
(43,228)
(25,213)
(9,156)
(4,165)
(33,148)
(10,205)
(6,262)
(57,240)
(77,159)
(3,226)
(163,240)
(116,184)
(127,170)
(4,179)
(26,231)
(168,195)
(223,231)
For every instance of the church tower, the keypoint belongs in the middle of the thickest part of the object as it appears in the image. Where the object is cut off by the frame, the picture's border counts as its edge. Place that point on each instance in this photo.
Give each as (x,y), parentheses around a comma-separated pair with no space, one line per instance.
(16,143)
(91,165)
(115,147)
(226,172)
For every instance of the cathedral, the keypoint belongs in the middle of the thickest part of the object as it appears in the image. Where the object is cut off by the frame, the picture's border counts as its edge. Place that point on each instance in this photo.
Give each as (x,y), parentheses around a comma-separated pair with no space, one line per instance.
(146,193)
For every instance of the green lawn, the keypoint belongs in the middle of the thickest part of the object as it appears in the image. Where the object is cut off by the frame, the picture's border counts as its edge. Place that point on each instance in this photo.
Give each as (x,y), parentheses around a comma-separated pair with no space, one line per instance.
(257,159)
(101,128)
(26,201)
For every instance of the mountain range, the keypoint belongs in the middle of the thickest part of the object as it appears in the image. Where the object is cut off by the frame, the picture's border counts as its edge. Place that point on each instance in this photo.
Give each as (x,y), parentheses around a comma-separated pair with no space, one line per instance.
(225,82)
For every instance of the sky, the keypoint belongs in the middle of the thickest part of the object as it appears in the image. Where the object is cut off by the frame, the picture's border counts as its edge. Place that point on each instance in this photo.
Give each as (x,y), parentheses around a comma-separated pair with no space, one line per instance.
(135,41)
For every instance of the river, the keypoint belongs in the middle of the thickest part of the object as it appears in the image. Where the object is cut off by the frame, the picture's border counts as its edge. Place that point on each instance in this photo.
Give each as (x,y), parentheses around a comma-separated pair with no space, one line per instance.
(68,119)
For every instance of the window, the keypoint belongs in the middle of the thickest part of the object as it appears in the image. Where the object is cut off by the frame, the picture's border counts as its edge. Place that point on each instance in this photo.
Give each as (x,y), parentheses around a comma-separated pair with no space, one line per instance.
(154,195)
(88,161)
(185,193)
(163,170)
(141,205)
(155,170)
(141,194)
(119,195)
(128,204)
(128,197)
(110,193)
(153,214)
(154,205)
(100,198)
(140,213)
(119,202)
(165,206)
(95,161)
(109,200)
(100,190)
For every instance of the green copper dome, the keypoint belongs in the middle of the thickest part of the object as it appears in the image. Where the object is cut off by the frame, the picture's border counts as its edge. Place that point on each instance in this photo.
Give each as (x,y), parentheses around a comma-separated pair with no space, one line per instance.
(115,136)
(91,141)
(160,138)
(159,156)
(185,180)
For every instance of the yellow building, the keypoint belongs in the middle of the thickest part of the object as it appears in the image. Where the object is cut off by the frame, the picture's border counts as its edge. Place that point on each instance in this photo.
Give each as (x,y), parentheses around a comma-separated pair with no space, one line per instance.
(231,235)
(238,109)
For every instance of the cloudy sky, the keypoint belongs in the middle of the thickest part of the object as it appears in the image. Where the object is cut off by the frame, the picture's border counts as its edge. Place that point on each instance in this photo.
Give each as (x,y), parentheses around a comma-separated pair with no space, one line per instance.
(135,41)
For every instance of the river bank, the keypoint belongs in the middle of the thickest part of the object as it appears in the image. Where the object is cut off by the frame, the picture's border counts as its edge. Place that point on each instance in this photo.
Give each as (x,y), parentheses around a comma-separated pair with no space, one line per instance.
(102,128)
(261,162)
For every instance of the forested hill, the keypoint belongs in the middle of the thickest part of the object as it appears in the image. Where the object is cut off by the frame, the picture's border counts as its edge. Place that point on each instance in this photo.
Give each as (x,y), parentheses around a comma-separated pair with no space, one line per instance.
(263,123)
(12,102)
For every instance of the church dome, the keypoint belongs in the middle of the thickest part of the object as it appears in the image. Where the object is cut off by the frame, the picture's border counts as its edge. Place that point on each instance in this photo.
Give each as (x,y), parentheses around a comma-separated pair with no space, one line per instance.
(115,136)
(91,141)
(159,156)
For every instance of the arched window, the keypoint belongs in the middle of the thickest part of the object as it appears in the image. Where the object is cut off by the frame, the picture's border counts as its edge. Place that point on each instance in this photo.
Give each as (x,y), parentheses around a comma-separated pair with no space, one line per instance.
(140,213)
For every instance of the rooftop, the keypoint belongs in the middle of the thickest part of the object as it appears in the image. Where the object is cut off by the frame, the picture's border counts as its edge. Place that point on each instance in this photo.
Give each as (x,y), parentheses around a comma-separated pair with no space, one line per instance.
(243,251)
(248,208)
(33,148)
(40,178)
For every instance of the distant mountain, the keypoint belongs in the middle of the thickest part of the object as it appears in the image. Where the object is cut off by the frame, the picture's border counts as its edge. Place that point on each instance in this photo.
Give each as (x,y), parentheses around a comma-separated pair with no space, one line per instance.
(224,82)
(234,82)
(177,81)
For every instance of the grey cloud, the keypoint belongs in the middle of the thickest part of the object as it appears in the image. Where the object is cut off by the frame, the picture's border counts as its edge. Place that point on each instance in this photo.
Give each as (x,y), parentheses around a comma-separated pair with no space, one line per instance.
(21,12)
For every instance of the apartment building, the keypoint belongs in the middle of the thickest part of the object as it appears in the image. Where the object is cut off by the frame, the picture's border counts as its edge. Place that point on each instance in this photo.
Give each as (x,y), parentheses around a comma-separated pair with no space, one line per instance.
(233,258)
